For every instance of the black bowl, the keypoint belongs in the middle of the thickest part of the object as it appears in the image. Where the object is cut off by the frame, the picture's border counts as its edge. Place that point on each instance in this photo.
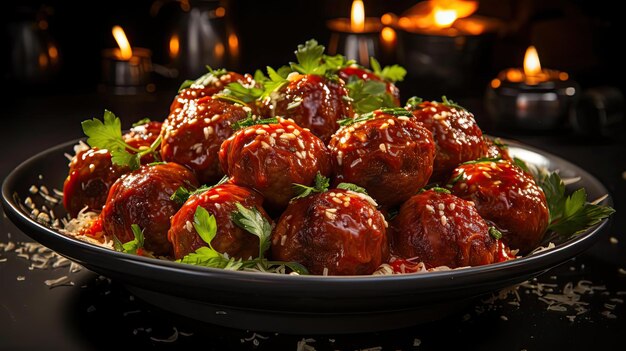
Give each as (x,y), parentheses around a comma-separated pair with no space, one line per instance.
(285,303)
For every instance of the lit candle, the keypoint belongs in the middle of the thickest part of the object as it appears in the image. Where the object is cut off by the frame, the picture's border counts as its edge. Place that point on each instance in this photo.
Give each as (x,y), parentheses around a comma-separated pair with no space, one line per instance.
(357,37)
(126,70)
(531,97)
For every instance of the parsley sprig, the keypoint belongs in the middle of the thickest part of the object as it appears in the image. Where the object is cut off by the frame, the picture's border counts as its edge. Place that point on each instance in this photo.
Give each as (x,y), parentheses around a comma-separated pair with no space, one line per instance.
(252,121)
(321,185)
(107,134)
(395,73)
(394,111)
(205,79)
(181,194)
(368,95)
(132,247)
(570,215)
(249,219)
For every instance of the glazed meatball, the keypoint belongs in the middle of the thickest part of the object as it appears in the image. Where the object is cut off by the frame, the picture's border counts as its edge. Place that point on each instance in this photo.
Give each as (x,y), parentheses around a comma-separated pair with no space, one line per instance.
(192,137)
(142,197)
(90,177)
(219,201)
(457,136)
(364,74)
(507,196)
(208,85)
(337,232)
(92,173)
(391,157)
(440,229)
(271,158)
(313,102)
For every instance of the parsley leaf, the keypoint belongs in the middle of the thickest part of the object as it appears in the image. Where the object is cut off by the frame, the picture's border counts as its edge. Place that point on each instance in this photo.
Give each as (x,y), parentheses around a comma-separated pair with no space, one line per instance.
(495,233)
(132,246)
(414,103)
(337,62)
(395,73)
(309,58)
(252,221)
(570,215)
(205,79)
(141,122)
(274,82)
(321,185)
(482,160)
(368,95)
(394,111)
(352,187)
(241,93)
(182,194)
(440,190)
(251,121)
(451,103)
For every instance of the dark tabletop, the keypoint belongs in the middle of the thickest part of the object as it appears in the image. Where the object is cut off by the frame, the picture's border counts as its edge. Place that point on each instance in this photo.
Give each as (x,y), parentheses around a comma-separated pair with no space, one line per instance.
(95,313)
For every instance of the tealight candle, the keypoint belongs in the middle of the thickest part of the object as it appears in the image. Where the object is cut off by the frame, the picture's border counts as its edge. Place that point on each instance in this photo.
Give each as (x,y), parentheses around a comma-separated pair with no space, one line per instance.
(531,98)
(126,70)
(356,37)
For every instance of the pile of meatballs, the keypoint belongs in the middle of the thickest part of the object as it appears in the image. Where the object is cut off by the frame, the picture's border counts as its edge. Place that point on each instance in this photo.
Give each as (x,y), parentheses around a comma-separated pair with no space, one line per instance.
(395,154)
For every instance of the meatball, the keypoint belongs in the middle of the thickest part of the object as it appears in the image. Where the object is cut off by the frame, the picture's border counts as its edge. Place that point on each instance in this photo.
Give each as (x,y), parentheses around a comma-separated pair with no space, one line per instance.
(219,201)
(208,85)
(271,158)
(440,229)
(337,232)
(90,177)
(507,196)
(192,136)
(391,157)
(142,197)
(365,74)
(495,149)
(313,102)
(92,172)
(456,135)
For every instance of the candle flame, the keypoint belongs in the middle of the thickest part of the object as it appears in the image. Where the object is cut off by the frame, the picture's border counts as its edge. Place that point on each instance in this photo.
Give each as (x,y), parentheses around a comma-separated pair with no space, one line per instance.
(126,52)
(357,16)
(532,66)
(439,13)
(174,46)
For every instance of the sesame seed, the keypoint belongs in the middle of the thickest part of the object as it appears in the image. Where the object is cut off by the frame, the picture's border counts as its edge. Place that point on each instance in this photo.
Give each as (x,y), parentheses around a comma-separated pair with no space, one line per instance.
(369,221)
(330,215)
(497,182)
(403,118)
(430,209)
(280,130)
(452,206)
(188,226)
(346,204)
(213,197)
(272,141)
(384,126)
(307,129)
(248,131)
(441,213)
(295,131)
(332,194)
(339,158)
(441,206)
(283,239)
(260,131)
(382,147)
(289,136)
(300,156)
(391,122)
(444,220)
(290,127)
(300,143)
(487,175)
(215,118)
(438,117)
(370,211)
(331,210)
(265,145)
(337,200)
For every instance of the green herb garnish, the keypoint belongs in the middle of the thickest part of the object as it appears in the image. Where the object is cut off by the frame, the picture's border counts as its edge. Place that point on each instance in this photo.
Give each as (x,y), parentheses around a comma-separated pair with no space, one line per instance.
(482,160)
(252,221)
(182,194)
(141,122)
(309,58)
(394,111)
(414,103)
(440,190)
(321,185)
(368,95)
(495,233)
(395,73)
(107,134)
(451,103)
(205,79)
(274,82)
(352,187)
(570,215)
(251,121)
(243,94)
(132,246)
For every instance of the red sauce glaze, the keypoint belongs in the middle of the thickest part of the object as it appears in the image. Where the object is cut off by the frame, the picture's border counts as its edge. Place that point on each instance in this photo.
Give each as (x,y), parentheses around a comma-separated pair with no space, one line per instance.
(508,197)
(90,177)
(337,230)
(365,74)
(322,103)
(270,158)
(220,202)
(213,86)
(92,173)
(391,157)
(192,136)
(142,197)
(441,229)
(456,134)
(495,151)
